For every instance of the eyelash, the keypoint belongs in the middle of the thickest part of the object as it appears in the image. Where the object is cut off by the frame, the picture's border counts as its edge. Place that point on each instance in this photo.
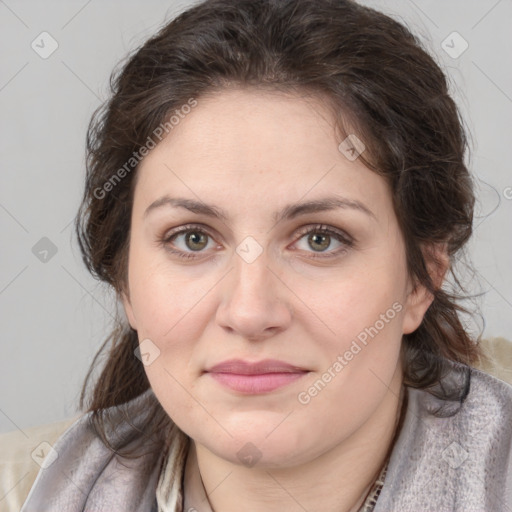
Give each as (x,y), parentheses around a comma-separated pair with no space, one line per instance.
(322,229)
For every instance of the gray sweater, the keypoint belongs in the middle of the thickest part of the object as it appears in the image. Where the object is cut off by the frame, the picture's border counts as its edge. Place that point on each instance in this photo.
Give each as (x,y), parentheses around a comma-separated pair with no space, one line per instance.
(447,457)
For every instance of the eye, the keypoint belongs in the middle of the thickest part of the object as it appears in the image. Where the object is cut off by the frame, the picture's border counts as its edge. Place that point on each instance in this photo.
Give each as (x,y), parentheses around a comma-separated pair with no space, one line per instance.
(187,240)
(324,239)
(320,241)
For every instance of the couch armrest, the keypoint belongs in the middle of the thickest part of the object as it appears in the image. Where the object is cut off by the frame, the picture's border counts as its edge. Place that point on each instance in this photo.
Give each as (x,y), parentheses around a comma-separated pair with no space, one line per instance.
(497,359)
(21,454)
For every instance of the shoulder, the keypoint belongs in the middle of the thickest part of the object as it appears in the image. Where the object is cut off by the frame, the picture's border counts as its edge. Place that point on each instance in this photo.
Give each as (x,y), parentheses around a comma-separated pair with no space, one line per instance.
(459,460)
(488,392)
(105,479)
(22,455)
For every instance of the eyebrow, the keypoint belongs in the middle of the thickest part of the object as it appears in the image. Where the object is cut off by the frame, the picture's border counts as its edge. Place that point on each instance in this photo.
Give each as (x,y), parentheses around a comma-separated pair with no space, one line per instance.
(287,213)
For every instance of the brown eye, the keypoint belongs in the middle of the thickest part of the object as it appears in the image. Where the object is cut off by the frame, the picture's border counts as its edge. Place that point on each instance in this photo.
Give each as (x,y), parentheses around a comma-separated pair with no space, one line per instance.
(323,241)
(319,242)
(188,242)
(196,240)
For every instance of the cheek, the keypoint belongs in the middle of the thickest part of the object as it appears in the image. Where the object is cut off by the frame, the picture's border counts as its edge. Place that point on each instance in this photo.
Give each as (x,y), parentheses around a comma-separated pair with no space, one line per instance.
(361,348)
(175,392)
(163,300)
(361,299)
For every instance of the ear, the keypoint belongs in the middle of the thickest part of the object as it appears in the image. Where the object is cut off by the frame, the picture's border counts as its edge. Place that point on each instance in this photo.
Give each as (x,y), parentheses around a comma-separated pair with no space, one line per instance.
(419,298)
(128,309)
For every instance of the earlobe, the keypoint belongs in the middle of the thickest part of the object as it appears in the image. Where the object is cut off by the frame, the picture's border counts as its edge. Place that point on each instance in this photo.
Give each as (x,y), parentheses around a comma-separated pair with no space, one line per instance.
(419,298)
(418,301)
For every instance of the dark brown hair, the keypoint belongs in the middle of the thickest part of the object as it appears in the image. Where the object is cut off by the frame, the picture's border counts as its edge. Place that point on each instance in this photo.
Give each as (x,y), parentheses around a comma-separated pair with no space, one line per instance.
(378,80)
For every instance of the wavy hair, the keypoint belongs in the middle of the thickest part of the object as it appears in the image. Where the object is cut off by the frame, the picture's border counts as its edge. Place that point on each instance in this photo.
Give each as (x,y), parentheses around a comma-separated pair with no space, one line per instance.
(379,82)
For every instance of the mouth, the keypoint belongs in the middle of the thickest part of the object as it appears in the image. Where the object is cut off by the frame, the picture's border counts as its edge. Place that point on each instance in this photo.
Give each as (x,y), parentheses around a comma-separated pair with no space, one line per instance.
(255,377)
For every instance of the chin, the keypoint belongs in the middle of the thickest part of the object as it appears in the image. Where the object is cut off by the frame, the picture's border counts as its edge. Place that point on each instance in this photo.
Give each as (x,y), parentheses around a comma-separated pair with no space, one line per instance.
(261,445)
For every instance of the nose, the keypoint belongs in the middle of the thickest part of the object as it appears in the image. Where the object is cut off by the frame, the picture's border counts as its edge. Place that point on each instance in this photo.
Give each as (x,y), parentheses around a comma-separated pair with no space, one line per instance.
(255,302)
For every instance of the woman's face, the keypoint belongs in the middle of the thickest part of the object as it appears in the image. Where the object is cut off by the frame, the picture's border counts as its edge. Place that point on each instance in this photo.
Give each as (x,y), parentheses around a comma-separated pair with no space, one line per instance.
(254,238)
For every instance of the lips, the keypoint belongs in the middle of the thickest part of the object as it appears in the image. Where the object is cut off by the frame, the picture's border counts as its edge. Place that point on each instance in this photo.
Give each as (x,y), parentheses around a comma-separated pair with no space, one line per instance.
(255,377)
(258,368)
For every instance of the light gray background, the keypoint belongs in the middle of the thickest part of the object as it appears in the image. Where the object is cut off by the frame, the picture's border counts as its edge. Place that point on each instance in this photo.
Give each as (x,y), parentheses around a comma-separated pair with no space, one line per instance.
(54,315)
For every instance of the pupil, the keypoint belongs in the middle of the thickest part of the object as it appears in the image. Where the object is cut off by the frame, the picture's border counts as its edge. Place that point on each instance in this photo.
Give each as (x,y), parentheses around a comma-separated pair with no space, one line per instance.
(323,240)
(196,241)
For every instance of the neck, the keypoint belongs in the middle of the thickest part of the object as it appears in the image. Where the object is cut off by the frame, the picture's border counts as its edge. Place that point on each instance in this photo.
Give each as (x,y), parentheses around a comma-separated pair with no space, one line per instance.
(339,479)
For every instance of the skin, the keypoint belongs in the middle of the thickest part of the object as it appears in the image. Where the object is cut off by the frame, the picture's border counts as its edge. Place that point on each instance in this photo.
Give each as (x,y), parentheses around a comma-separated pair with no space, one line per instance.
(250,153)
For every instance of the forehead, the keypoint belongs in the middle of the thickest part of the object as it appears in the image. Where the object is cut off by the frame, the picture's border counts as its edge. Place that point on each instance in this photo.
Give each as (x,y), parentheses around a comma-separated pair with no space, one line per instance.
(253,148)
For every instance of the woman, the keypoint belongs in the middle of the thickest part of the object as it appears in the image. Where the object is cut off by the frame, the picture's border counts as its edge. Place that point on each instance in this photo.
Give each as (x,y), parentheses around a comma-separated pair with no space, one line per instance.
(276,191)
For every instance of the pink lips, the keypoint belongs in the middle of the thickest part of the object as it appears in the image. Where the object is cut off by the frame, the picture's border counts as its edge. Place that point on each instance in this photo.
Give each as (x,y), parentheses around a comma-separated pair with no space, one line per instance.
(253,378)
